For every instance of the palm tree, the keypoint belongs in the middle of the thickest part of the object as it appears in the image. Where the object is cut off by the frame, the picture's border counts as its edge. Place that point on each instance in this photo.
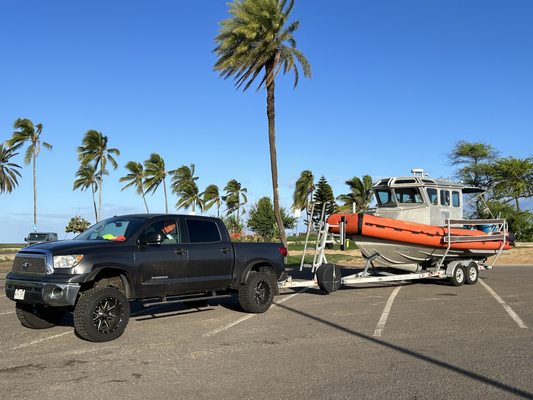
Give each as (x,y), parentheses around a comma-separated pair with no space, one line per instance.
(514,178)
(8,171)
(94,150)
(87,179)
(27,132)
(184,185)
(257,39)
(135,178)
(360,194)
(232,198)
(211,196)
(303,191)
(155,174)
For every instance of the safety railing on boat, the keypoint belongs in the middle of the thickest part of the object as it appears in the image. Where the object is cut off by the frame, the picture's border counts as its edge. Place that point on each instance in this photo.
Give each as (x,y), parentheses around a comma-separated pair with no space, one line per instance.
(498,233)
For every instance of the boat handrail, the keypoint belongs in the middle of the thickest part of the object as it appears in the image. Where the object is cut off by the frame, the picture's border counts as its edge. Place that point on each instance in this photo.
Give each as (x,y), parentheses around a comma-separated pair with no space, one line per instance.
(475,221)
(477,238)
(500,236)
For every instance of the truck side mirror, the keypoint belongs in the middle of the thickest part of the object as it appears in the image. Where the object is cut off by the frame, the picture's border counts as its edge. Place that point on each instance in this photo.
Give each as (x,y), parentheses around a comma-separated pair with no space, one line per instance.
(151,238)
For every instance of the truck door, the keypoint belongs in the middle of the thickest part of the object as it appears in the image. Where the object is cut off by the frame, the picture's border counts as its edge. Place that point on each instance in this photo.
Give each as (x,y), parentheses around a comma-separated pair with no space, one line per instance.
(210,257)
(162,265)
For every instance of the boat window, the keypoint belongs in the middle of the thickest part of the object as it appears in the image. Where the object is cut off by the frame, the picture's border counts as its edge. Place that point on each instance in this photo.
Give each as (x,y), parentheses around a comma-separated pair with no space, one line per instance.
(444,197)
(456,202)
(428,181)
(433,196)
(408,195)
(384,197)
(403,181)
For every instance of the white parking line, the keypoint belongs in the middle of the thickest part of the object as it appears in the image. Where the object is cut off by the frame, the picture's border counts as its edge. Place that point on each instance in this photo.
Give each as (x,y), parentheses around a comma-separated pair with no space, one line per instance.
(41,340)
(7,312)
(385,315)
(246,317)
(505,306)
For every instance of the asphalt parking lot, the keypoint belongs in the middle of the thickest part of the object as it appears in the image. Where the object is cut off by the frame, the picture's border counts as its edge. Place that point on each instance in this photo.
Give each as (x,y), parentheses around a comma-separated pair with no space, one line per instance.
(421,340)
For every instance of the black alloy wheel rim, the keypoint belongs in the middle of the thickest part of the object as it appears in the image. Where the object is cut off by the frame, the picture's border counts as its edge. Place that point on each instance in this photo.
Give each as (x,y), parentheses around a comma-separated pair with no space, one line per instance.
(261,293)
(107,315)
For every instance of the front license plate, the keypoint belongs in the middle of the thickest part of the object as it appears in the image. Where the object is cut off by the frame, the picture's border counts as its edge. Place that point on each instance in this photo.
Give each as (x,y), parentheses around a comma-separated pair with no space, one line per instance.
(19,294)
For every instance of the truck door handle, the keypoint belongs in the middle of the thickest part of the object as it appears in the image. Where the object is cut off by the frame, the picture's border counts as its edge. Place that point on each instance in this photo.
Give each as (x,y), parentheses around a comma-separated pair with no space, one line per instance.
(179,252)
(224,250)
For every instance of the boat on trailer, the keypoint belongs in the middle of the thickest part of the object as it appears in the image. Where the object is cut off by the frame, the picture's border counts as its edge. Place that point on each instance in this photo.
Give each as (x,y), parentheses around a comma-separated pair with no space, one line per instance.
(417,231)
(418,225)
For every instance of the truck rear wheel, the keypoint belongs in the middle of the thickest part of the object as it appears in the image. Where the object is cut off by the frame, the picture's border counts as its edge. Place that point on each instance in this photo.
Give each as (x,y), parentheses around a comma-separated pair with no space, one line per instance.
(35,316)
(101,314)
(257,294)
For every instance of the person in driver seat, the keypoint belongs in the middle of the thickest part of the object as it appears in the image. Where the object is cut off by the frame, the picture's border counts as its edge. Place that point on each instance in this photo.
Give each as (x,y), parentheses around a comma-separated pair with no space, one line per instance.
(169,230)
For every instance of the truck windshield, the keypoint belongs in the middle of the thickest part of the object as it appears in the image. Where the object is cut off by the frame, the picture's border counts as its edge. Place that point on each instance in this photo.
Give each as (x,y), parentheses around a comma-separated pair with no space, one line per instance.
(116,229)
(38,236)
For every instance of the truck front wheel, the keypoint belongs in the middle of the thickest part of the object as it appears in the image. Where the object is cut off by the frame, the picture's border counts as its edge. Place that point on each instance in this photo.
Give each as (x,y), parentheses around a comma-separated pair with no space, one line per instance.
(257,294)
(101,314)
(37,316)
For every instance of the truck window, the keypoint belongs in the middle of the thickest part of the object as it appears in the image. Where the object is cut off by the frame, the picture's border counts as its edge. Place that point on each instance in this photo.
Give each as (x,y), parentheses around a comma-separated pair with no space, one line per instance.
(168,228)
(202,231)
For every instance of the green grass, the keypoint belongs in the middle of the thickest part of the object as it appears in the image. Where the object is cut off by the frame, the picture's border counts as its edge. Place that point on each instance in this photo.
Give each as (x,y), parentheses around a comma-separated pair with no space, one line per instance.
(332,258)
(16,246)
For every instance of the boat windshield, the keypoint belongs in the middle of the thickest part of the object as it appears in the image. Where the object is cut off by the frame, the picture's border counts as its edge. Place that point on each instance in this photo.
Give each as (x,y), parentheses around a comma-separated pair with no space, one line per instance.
(116,229)
(408,195)
(385,198)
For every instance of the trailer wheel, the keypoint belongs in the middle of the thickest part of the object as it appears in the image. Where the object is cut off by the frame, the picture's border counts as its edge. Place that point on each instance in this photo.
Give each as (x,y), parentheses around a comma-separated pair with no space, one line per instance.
(101,314)
(257,294)
(458,276)
(472,273)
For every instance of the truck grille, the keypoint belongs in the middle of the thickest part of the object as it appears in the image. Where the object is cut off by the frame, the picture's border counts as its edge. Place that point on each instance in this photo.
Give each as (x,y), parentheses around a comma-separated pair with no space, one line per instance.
(30,263)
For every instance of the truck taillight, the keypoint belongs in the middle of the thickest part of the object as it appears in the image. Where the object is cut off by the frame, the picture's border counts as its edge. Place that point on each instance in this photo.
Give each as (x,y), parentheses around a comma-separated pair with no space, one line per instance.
(283,251)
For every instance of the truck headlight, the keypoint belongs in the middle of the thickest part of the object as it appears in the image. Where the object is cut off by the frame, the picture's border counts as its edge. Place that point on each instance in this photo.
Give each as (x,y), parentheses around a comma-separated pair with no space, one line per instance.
(69,261)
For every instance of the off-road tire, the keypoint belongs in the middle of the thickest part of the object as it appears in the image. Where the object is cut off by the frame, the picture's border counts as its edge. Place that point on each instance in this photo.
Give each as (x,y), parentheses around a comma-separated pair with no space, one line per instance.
(458,276)
(36,316)
(101,314)
(471,273)
(257,294)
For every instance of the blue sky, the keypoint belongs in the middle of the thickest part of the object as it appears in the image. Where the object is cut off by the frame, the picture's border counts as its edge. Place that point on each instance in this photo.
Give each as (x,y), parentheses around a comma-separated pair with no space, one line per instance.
(395,85)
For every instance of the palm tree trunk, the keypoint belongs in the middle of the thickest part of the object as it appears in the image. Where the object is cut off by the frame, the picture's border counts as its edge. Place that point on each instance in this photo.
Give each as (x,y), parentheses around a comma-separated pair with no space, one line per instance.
(145,203)
(34,191)
(94,204)
(273,155)
(100,197)
(165,191)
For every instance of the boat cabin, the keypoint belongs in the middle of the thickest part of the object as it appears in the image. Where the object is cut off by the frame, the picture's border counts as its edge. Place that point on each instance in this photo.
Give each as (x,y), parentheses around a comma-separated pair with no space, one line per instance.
(420,199)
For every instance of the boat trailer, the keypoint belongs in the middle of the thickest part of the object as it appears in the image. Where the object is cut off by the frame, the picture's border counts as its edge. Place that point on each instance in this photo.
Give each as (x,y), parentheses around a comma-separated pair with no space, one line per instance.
(328,277)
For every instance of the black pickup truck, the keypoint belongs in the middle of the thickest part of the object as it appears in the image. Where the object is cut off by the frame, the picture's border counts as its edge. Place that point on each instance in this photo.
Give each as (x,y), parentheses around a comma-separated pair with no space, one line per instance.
(156,259)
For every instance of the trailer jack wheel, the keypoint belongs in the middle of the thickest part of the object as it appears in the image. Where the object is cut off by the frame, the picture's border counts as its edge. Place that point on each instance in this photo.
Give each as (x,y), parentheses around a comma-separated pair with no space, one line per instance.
(329,277)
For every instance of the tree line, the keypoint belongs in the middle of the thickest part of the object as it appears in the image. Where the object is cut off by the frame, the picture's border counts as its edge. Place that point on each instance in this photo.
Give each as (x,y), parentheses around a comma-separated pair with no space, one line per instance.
(506,181)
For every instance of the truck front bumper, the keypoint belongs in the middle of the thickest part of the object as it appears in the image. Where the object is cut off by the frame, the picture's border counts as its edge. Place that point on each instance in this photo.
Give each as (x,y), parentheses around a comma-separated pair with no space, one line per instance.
(47,293)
